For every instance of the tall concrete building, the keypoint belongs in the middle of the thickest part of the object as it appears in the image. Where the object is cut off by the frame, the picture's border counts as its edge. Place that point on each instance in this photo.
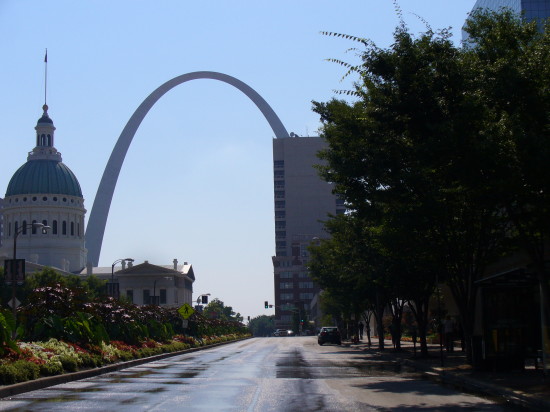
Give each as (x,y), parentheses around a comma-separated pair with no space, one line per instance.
(538,10)
(1,221)
(302,202)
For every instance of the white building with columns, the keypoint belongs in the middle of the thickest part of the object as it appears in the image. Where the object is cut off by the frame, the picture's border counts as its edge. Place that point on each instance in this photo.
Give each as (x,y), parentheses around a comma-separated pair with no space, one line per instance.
(145,283)
(44,190)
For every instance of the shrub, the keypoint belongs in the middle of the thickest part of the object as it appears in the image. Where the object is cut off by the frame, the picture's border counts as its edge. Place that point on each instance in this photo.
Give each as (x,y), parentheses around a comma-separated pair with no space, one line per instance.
(53,367)
(7,374)
(88,360)
(69,363)
(124,355)
(7,324)
(18,371)
(27,370)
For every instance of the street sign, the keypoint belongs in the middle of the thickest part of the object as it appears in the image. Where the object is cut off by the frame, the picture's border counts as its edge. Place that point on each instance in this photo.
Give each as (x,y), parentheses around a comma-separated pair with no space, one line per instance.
(17,303)
(186,310)
(184,323)
(14,269)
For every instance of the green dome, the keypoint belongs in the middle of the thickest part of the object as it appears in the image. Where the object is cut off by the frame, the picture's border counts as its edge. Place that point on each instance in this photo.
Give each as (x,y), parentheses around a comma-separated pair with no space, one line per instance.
(44,176)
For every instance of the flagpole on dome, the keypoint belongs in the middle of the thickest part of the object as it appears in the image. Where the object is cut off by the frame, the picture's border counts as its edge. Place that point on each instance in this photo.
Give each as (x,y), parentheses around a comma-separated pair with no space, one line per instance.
(45,77)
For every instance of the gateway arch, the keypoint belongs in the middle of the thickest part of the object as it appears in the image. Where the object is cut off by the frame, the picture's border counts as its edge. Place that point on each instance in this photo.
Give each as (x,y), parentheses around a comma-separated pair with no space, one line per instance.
(102,202)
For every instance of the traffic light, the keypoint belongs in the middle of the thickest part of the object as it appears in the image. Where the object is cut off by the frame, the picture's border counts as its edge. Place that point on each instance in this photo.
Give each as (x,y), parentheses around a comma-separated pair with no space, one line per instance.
(204,299)
(266,304)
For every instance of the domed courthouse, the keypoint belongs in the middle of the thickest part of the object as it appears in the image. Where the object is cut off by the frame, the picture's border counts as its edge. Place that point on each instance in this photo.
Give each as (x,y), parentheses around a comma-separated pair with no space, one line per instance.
(44,190)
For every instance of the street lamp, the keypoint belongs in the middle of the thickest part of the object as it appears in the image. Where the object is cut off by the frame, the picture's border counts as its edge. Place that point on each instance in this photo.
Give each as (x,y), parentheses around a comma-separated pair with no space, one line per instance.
(200,300)
(34,225)
(113,273)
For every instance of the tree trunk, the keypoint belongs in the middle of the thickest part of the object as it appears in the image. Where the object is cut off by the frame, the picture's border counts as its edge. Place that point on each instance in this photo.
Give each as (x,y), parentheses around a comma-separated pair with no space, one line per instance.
(419,309)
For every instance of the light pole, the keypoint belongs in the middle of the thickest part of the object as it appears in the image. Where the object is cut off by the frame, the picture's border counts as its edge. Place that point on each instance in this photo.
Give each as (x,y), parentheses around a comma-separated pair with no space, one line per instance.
(200,300)
(113,273)
(155,286)
(34,225)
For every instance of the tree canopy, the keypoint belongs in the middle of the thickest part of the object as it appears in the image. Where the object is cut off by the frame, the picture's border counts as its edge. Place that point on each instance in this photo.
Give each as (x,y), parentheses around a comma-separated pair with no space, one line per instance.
(442,160)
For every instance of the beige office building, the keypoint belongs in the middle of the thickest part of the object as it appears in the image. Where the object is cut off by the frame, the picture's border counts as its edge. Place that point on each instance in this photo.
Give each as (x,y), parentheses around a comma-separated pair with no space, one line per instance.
(302,202)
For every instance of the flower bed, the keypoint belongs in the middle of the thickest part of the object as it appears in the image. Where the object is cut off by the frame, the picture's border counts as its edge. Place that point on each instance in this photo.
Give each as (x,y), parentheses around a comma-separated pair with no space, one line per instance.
(32,360)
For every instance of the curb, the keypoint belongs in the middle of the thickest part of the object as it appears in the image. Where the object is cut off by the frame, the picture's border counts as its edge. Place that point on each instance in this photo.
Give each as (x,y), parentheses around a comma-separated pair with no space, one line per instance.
(508,396)
(41,383)
(473,385)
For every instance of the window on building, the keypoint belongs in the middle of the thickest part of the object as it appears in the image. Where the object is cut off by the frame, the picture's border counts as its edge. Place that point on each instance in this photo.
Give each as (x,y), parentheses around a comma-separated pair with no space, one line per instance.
(305,285)
(33,230)
(280,224)
(45,223)
(280,233)
(278,164)
(280,204)
(72,228)
(146,296)
(303,275)
(285,285)
(54,227)
(130,295)
(279,194)
(285,275)
(280,244)
(279,174)
(280,214)
(279,184)
(162,293)
(24,228)
(64,228)
(306,295)
(287,296)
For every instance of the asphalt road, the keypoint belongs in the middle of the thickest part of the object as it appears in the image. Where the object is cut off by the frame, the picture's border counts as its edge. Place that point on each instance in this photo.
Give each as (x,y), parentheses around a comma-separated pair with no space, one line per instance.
(261,374)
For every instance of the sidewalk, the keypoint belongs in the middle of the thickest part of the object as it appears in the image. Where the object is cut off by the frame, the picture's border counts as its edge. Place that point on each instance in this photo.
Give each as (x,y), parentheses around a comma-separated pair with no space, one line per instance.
(528,388)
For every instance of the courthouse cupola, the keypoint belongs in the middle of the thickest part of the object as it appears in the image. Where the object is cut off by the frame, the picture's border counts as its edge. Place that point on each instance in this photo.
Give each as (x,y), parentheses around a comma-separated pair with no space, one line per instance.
(46,191)
(44,130)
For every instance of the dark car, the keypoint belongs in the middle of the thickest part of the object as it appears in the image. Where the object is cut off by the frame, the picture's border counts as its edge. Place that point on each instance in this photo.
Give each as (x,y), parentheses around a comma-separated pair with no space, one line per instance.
(329,334)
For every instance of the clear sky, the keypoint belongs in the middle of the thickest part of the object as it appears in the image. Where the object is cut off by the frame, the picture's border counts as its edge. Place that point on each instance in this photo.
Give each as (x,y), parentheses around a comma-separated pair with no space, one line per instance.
(197,181)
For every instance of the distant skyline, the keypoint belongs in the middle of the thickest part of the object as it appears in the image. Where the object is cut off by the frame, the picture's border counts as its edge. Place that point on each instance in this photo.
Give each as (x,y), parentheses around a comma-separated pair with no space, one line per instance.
(201,162)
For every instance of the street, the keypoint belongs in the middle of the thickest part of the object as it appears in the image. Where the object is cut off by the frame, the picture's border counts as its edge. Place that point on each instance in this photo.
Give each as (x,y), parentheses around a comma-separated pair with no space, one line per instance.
(259,374)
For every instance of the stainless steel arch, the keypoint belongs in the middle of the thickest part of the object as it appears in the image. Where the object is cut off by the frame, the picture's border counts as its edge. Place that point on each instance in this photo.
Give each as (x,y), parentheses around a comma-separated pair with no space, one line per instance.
(102,202)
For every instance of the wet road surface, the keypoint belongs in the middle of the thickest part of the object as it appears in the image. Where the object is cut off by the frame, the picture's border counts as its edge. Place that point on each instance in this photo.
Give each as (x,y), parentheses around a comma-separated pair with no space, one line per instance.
(256,375)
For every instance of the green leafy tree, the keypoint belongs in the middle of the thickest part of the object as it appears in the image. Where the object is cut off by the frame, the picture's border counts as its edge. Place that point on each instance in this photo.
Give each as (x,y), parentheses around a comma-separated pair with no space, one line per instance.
(216,309)
(262,325)
(91,286)
(349,268)
(417,145)
(511,59)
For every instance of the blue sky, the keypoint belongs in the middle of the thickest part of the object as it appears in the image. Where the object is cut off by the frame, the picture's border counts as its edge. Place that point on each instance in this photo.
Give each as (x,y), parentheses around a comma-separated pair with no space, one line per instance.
(197,183)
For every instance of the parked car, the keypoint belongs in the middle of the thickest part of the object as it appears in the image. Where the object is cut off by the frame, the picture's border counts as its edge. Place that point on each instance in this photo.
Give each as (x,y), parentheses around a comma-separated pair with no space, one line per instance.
(329,334)
(280,332)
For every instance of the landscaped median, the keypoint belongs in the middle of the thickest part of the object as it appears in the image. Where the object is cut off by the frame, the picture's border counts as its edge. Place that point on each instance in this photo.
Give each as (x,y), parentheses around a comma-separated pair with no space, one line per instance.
(61,329)
(53,357)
